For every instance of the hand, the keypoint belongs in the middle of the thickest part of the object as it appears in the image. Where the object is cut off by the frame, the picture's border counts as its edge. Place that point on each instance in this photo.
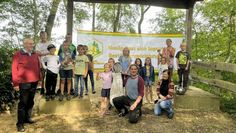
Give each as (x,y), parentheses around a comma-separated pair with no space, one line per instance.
(16,88)
(178,67)
(162,97)
(84,76)
(38,52)
(186,68)
(133,106)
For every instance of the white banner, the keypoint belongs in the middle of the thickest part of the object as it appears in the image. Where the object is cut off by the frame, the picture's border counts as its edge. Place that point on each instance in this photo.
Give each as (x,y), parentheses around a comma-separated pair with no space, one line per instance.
(104,45)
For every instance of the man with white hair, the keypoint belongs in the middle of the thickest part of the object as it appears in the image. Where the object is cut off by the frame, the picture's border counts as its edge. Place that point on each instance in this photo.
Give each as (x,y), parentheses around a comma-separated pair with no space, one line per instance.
(25,77)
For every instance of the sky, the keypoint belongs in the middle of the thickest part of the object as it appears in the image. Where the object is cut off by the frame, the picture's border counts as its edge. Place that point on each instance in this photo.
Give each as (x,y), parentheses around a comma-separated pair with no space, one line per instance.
(86,25)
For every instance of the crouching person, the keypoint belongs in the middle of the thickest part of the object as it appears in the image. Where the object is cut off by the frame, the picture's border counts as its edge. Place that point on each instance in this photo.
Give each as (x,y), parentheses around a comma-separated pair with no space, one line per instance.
(25,77)
(165,90)
(135,91)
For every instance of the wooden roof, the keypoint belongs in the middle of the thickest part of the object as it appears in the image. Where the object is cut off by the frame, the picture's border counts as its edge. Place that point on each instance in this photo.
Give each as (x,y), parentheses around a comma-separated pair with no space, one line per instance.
(181,4)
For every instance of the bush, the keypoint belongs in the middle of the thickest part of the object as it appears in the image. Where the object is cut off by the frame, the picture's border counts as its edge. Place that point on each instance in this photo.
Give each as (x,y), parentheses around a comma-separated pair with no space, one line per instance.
(7,93)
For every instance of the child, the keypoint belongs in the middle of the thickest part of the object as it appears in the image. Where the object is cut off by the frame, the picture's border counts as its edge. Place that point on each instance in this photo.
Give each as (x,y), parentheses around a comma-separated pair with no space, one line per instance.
(138,62)
(80,69)
(52,68)
(106,77)
(111,61)
(182,61)
(148,77)
(90,71)
(125,61)
(162,66)
(66,57)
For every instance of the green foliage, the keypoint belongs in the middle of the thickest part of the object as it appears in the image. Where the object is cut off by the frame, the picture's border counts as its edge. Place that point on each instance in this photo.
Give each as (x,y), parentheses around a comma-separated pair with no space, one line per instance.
(169,21)
(7,93)
(108,13)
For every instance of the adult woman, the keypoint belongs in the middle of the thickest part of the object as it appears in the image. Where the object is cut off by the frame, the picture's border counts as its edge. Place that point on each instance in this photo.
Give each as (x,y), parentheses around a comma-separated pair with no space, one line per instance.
(134,85)
(165,90)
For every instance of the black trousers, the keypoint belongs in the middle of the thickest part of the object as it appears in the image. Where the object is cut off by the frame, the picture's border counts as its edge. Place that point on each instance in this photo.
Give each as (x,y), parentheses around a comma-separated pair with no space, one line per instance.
(122,102)
(183,77)
(26,103)
(90,74)
(51,82)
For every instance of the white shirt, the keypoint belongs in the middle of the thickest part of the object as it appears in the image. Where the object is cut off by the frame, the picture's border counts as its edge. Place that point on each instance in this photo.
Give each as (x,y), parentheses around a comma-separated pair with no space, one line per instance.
(53,63)
(42,47)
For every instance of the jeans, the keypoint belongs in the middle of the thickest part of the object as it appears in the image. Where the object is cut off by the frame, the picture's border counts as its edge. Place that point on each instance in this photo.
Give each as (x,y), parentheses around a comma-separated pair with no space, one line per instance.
(90,73)
(121,102)
(183,73)
(51,82)
(77,79)
(26,101)
(163,105)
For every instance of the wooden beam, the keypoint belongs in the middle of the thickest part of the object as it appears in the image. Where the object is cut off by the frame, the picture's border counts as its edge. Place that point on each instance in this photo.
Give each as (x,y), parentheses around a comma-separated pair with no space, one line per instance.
(188,33)
(216,82)
(217,66)
(70,6)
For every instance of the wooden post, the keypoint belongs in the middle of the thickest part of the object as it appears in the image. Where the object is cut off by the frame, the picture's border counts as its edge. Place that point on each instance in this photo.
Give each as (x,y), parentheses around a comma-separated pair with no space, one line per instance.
(189,21)
(70,7)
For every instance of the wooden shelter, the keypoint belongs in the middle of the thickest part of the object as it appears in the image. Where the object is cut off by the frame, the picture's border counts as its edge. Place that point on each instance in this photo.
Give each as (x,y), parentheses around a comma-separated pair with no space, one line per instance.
(179,4)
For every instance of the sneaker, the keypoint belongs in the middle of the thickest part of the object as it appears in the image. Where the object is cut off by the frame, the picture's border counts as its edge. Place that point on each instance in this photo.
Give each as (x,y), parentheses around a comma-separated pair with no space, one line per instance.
(74,96)
(47,98)
(94,92)
(29,121)
(68,97)
(53,97)
(20,128)
(170,115)
(81,96)
(86,94)
(122,113)
(61,97)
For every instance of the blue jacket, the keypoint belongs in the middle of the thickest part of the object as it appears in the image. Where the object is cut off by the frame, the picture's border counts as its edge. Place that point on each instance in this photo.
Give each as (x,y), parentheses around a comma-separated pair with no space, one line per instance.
(152,74)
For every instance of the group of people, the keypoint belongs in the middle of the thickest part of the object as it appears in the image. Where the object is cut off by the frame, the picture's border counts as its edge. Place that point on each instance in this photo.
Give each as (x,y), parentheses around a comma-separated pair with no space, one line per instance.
(32,64)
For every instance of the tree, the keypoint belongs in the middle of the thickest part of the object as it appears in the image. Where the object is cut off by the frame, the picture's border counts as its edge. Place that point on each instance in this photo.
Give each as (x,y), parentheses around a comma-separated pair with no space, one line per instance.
(143,10)
(169,21)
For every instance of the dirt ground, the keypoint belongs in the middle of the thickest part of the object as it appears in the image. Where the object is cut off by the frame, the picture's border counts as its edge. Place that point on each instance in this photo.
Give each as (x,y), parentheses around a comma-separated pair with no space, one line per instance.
(184,121)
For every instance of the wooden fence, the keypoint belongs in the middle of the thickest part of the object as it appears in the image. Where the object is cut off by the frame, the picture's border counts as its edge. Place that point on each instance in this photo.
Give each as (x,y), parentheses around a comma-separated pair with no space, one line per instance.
(217,68)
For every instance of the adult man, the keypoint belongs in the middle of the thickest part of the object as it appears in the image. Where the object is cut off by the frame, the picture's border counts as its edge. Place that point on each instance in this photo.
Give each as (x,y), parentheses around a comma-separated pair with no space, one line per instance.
(135,91)
(25,77)
(41,49)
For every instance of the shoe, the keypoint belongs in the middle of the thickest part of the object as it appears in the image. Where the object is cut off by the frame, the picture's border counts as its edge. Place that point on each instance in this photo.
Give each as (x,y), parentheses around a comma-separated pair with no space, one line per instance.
(81,96)
(68,97)
(122,113)
(94,92)
(53,97)
(20,128)
(30,121)
(74,96)
(170,115)
(86,94)
(42,91)
(61,97)
(47,98)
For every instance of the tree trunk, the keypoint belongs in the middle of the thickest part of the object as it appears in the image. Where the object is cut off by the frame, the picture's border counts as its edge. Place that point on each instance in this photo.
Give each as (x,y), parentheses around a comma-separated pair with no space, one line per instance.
(94,13)
(117,18)
(142,13)
(51,18)
(35,20)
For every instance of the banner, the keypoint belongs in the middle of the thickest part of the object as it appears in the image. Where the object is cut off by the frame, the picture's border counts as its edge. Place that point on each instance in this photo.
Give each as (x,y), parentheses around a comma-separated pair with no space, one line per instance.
(105,45)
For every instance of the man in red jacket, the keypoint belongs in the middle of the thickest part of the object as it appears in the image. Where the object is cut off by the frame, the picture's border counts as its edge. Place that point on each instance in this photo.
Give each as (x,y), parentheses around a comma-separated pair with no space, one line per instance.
(25,77)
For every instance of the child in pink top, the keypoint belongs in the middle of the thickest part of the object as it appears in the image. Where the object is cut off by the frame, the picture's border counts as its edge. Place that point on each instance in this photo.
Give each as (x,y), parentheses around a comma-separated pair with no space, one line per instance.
(106,77)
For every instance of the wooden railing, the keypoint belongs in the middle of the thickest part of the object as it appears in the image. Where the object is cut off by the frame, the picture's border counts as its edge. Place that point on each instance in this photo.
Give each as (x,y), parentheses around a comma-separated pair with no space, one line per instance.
(216,68)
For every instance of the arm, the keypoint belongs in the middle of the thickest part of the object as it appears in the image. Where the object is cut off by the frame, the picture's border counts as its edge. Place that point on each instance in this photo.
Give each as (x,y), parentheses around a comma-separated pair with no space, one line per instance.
(98,76)
(15,78)
(172,52)
(86,69)
(170,91)
(177,60)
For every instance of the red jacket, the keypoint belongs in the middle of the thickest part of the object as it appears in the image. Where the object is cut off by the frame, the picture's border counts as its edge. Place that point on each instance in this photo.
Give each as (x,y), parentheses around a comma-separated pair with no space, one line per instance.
(25,68)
